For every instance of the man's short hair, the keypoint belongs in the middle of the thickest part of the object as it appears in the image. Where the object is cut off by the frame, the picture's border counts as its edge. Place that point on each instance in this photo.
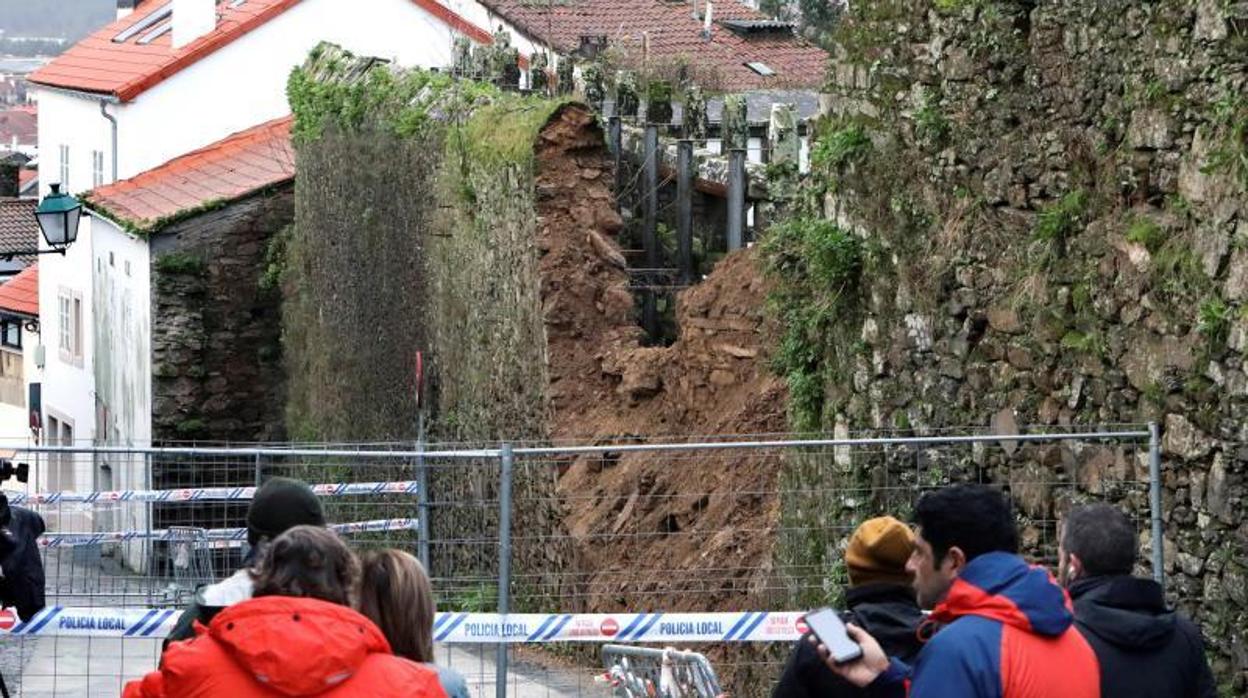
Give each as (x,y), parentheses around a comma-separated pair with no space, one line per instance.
(975,518)
(1103,537)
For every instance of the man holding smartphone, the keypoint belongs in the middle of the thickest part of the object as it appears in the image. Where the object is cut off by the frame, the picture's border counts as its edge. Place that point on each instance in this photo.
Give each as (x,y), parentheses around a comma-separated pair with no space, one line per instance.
(1008,631)
(880,598)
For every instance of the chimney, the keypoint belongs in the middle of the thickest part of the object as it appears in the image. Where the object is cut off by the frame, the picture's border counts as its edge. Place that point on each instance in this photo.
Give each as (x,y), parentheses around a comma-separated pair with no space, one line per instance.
(126,7)
(192,19)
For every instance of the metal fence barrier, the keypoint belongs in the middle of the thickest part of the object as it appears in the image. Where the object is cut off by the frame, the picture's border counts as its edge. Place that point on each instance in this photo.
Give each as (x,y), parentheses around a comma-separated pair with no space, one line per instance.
(540,554)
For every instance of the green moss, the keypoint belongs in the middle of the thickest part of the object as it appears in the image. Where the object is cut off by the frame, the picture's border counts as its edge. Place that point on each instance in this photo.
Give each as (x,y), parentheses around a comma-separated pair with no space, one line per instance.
(840,147)
(275,259)
(955,6)
(1084,342)
(1062,219)
(817,266)
(930,124)
(180,263)
(1177,273)
(189,427)
(336,89)
(1229,116)
(1144,231)
(505,132)
(1214,321)
(1155,393)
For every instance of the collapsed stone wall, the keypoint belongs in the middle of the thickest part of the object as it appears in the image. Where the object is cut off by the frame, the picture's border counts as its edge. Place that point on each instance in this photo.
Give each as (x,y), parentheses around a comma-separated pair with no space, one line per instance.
(1048,228)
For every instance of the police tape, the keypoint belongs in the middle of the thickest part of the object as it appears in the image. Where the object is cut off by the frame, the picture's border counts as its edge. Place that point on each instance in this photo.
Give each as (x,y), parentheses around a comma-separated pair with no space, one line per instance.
(211,535)
(204,494)
(460,628)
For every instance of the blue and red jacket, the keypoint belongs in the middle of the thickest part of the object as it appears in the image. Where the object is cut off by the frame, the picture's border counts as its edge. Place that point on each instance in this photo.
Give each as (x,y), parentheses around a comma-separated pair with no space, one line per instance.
(1009,633)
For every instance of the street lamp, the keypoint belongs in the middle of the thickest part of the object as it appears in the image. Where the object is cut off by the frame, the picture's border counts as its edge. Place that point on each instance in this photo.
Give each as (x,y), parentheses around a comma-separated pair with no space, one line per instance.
(58,215)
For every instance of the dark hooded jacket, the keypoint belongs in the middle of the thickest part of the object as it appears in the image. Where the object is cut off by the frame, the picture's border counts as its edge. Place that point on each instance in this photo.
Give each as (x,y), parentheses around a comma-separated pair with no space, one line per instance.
(887,611)
(1145,649)
(1007,632)
(20,563)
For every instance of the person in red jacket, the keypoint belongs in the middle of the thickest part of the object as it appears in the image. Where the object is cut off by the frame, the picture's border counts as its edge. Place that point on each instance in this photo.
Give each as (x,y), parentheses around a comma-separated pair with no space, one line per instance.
(297,636)
(1008,629)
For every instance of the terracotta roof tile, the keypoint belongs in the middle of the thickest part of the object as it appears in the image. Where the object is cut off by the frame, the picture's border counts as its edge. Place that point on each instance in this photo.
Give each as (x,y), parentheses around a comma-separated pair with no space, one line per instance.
(674,35)
(25,178)
(18,229)
(20,123)
(127,69)
(229,169)
(20,294)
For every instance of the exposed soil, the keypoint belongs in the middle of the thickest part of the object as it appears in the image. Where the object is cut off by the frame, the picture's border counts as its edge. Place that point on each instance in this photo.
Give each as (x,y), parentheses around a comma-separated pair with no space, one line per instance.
(677,530)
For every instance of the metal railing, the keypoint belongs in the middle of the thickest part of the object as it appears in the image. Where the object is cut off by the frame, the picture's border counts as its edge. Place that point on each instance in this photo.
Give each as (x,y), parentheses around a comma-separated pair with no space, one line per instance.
(577,535)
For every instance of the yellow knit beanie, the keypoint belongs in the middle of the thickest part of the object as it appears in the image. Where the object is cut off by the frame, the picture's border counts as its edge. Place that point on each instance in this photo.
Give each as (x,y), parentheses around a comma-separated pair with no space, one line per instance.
(878,551)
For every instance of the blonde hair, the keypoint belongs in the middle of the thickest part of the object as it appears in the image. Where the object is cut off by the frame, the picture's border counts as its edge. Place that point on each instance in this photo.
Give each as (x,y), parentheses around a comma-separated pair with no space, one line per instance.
(395,593)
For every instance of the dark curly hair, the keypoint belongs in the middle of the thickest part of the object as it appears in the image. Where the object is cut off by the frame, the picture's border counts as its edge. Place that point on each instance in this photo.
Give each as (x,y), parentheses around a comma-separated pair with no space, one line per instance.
(308,561)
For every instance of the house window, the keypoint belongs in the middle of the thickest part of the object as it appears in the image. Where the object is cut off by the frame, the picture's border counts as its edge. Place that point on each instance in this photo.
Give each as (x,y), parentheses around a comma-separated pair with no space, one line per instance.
(69,328)
(60,432)
(97,168)
(64,168)
(11,333)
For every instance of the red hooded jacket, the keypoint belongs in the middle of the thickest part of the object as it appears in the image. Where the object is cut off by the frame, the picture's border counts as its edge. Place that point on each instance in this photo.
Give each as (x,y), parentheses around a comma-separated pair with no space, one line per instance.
(279,646)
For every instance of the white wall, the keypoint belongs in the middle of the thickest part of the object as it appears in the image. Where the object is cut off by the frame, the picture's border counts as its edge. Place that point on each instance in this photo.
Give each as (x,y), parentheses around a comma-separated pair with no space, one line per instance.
(122,371)
(68,385)
(69,120)
(235,88)
(122,337)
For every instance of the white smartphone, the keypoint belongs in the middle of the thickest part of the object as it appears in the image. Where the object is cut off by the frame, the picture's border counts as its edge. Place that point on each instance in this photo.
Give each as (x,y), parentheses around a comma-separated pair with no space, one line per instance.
(828,627)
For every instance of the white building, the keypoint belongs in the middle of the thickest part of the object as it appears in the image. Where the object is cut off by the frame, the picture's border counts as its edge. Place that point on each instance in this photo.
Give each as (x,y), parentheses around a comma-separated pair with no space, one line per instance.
(19,364)
(162,81)
(172,77)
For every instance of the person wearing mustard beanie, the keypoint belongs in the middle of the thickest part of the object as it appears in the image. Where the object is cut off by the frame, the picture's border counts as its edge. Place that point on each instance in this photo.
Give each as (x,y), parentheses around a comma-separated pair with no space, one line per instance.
(879,597)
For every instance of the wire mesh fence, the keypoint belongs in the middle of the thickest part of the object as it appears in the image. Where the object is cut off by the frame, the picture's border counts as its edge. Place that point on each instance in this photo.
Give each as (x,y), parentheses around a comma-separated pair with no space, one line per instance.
(582,544)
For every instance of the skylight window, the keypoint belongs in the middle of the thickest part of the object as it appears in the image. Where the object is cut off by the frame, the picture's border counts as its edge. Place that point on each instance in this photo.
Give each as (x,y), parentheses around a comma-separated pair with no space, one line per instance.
(161,14)
(761,68)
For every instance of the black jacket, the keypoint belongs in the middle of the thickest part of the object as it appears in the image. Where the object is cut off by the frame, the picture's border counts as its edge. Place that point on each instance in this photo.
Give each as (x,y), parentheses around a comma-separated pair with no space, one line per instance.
(208,602)
(1145,649)
(21,564)
(887,611)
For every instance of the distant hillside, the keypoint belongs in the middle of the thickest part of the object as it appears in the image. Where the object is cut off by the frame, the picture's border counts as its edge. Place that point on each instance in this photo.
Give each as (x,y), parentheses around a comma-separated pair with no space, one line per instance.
(69,19)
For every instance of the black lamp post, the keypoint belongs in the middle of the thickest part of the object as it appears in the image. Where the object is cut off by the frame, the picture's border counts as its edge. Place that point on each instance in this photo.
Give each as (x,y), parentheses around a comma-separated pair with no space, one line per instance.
(58,215)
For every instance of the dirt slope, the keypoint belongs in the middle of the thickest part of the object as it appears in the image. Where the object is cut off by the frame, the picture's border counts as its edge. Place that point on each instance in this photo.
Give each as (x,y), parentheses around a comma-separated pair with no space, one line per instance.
(672,530)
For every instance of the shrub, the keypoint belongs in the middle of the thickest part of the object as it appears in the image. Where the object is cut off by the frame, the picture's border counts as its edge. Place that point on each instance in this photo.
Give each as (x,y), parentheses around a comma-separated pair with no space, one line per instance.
(1061,219)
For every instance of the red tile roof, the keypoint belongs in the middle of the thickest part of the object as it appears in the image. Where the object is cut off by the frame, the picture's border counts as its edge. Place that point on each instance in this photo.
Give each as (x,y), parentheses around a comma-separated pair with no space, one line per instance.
(20,294)
(20,123)
(241,164)
(25,178)
(675,35)
(127,69)
(18,229)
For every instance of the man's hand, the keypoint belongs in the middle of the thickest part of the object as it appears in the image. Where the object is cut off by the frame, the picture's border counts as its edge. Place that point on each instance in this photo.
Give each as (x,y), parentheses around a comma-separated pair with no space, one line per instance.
(863,670)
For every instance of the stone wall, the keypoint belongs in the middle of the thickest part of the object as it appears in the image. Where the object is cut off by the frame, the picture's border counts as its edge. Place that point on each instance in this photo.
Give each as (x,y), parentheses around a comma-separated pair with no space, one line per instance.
(1053,225)
(216,333)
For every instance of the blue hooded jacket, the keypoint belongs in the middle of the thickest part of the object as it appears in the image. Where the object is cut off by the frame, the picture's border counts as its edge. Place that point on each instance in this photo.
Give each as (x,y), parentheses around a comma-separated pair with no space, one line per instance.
(1008,634)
